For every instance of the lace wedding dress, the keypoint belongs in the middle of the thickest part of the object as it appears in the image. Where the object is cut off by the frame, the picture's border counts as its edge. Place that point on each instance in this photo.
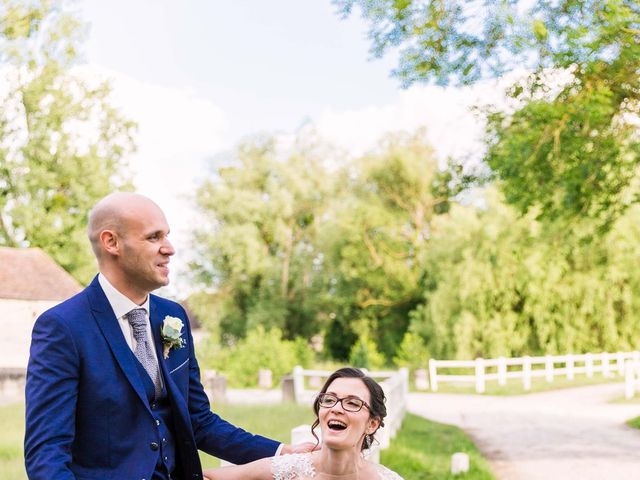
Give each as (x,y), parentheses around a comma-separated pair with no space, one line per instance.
(299,466)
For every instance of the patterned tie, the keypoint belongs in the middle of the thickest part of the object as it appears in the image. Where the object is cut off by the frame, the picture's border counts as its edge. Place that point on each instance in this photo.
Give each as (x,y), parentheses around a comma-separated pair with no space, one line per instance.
(143,352)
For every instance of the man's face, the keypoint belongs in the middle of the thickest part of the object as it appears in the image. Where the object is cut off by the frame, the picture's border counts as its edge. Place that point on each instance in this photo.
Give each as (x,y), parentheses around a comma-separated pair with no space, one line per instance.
(146,248)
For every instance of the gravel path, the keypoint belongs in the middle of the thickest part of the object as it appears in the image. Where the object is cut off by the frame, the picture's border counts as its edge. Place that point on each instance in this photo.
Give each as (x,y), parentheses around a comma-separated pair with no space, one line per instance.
(564,434)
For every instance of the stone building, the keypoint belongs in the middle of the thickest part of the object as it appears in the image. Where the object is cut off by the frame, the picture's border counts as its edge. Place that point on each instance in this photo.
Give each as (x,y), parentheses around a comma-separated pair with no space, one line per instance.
(30,283)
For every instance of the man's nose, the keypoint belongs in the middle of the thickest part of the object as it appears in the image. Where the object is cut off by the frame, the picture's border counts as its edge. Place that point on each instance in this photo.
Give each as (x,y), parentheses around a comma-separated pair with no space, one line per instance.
(167,248)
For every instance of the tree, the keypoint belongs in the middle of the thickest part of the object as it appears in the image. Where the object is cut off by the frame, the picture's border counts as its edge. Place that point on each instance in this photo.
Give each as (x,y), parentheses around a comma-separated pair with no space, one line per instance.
(257,243)
(504,284)
(377,236)
(62,145)
(571,146)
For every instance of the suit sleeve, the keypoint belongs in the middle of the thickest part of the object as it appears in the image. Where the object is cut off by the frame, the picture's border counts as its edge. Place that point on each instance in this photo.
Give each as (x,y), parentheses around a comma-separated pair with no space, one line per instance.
(217,436)
(51,396)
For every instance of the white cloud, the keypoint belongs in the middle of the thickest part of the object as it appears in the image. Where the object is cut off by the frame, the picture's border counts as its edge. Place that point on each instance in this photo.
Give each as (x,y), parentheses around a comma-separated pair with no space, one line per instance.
(452,128)
(178,132)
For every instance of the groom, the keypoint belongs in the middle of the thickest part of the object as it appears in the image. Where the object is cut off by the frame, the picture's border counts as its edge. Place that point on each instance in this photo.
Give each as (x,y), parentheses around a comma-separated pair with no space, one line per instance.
(113,385)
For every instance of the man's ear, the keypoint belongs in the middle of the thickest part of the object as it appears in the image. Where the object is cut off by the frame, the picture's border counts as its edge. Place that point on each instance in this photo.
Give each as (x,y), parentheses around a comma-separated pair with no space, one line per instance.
(110,242)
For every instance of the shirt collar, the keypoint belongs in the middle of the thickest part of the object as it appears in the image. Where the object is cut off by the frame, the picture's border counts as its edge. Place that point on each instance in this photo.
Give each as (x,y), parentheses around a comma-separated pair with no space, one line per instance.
(120,304)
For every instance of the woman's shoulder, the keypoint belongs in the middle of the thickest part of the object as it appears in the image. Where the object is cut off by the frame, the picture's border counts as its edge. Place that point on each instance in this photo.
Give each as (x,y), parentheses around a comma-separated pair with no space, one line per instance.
(292,466)
(386,474)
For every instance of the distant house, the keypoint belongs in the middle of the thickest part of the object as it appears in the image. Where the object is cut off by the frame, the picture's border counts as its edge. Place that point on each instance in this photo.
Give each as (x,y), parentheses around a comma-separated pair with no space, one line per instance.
(30,283)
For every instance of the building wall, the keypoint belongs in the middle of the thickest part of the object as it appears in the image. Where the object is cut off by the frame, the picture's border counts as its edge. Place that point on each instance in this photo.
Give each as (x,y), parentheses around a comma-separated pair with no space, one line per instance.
(16,322)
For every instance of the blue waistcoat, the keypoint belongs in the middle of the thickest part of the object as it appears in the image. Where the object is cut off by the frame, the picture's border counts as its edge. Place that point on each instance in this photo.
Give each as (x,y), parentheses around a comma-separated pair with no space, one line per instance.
(161,409)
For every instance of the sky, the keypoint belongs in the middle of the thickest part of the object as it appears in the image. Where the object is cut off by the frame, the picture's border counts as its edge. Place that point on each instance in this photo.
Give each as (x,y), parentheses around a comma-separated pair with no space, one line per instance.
(201,75)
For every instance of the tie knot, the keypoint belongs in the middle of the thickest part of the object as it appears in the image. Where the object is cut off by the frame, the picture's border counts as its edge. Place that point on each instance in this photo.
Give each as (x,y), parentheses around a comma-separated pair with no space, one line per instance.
(138,320)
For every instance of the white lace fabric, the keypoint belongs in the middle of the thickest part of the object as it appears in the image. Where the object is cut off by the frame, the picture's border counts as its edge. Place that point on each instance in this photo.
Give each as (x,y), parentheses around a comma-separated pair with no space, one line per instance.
(294,466)
(299,466)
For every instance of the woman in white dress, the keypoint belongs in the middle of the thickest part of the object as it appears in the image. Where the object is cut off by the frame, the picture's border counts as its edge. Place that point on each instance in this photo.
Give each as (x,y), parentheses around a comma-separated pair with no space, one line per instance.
(349,410)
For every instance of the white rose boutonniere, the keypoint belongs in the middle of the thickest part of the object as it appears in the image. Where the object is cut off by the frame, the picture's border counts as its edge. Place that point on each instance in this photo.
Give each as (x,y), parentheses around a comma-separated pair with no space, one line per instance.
(171,334)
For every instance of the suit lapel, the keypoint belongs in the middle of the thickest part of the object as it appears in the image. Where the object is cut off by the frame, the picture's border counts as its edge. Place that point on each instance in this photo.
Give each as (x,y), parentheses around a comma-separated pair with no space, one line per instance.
(156,329)
(155,318)
(108,324)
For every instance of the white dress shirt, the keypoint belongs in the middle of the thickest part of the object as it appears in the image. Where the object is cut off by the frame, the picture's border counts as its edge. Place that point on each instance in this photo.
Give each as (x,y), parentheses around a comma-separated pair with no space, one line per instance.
(121,305)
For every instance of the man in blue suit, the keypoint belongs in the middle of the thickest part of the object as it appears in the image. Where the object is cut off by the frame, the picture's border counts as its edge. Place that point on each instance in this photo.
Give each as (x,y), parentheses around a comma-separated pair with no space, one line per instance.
(113,385)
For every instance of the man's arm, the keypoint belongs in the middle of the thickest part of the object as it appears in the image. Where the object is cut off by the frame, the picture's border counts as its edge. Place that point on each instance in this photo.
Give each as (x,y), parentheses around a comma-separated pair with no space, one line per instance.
(51,396)
(215,435)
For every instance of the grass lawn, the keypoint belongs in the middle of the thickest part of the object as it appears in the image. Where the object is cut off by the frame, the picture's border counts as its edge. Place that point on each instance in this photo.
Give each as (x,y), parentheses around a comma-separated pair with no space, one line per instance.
(421,450)
(11,450)
(634,422)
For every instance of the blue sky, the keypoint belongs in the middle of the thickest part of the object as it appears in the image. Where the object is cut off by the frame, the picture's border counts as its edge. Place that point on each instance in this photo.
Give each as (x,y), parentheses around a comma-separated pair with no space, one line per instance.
(269,65)
(200,75)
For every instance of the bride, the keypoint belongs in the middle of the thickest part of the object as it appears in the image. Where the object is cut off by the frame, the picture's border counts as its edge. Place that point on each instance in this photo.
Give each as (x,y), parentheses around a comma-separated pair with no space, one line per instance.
(349,410)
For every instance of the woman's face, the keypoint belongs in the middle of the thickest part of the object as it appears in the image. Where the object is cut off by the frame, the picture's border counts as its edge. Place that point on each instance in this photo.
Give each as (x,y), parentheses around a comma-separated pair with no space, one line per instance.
(340,428)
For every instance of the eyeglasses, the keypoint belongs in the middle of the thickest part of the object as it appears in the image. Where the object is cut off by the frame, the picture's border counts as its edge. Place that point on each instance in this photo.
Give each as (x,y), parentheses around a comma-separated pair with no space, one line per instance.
(350,404)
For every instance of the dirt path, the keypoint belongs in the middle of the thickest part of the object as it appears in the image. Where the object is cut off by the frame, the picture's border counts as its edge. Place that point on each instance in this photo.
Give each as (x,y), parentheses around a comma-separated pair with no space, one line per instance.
(565,434)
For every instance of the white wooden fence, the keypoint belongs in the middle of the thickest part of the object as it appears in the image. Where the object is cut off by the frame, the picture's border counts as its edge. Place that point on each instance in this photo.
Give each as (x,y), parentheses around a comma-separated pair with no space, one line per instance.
(526,368)
(632,378)
(395,385)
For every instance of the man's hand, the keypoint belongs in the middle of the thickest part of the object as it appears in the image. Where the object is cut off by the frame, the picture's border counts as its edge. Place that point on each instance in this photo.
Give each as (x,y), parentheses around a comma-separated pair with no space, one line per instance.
(305,447)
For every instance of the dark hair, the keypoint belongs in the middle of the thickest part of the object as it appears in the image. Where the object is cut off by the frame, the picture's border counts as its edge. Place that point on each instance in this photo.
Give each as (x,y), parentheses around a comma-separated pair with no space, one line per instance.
(376,404)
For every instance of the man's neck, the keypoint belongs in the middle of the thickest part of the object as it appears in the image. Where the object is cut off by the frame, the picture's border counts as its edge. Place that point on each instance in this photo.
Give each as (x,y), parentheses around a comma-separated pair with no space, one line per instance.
(124,287)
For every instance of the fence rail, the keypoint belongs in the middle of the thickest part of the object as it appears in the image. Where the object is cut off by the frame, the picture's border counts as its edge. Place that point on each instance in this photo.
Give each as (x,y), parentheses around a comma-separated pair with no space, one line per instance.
(395,385)
(484,369)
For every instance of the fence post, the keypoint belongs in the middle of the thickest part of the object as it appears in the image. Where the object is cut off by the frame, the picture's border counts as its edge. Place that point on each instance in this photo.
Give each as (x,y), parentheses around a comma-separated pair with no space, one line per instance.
(620,363)
(298,383)
(548,368)
(479,375)
(422,382)
(433,374)
(502,371)
(526,373)
(588,364)
(605,365)
(629,380)
(570,363)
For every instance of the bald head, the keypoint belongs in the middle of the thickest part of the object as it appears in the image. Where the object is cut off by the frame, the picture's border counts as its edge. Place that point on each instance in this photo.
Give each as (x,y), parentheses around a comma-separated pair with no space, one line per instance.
(113,213)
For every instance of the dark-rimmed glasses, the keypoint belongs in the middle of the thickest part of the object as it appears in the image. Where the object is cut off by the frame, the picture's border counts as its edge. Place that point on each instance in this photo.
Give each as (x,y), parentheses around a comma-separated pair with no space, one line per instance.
(350,403)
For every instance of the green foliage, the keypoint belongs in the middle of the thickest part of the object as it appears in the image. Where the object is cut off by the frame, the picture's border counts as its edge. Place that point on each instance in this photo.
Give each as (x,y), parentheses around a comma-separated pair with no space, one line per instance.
(569,147)
(364,354)
(290,246)
(63,145)
(501,284)
(378,234)
(259,349)
(412,352)
(257,241)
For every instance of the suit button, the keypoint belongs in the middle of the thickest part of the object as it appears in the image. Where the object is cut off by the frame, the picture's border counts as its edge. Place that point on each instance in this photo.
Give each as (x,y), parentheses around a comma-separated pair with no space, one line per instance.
(157,422)
(154,446)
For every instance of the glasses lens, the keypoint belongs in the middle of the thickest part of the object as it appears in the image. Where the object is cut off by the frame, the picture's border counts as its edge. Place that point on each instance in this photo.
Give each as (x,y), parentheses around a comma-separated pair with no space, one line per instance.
(326,400)
(352,404)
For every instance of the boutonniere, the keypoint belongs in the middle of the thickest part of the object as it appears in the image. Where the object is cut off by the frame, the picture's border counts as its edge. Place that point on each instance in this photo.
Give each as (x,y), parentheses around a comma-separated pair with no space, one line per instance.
(171,334)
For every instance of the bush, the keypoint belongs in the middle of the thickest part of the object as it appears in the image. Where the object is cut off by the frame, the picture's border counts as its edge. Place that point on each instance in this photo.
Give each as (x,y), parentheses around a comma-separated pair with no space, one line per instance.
(260,349)
(365,354)
(412,352)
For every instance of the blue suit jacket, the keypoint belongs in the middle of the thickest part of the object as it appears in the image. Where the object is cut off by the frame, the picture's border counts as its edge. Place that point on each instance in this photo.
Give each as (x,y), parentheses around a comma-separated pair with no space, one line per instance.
(86,411)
